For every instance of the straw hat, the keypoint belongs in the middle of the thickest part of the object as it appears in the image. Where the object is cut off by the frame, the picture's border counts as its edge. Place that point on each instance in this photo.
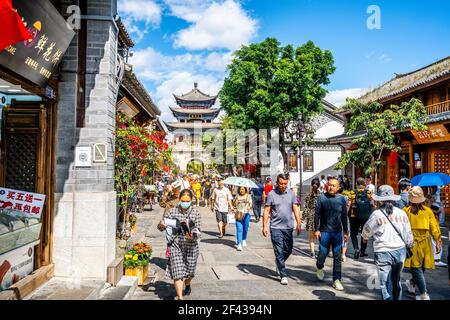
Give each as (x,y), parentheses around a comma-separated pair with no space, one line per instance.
(416,195)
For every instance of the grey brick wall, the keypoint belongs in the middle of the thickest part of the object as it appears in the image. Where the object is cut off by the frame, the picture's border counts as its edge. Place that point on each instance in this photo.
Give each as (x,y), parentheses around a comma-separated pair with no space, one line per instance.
(100,105)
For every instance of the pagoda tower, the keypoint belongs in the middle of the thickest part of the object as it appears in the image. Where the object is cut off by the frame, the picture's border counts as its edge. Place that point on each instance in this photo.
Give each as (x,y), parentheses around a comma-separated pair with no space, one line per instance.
(195,115)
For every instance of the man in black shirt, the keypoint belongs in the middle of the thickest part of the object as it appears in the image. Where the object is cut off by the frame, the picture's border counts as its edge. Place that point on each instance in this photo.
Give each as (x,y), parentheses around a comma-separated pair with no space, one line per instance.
(330,220)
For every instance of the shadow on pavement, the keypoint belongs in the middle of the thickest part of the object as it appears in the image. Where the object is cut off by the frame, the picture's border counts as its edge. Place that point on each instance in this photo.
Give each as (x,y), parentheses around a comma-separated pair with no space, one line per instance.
(230,243)
(327,295)
(160,262)
(259,271)
(164,290)
(211,233)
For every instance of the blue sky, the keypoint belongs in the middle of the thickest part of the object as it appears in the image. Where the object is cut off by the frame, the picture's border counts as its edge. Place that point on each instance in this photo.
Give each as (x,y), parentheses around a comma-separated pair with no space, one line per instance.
(182,41)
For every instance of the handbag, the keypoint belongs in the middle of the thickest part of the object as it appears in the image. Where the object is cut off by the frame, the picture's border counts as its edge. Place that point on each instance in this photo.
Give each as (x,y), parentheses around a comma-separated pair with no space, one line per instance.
(409,252)
(239,215)
(231,219)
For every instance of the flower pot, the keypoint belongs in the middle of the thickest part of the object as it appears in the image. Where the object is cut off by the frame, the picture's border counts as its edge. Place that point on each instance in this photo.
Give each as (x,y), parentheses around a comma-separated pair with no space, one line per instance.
(140,272)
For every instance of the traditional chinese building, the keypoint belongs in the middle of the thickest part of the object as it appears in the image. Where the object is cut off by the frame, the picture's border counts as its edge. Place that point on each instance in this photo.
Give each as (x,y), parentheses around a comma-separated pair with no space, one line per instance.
(421,152)
(195,115)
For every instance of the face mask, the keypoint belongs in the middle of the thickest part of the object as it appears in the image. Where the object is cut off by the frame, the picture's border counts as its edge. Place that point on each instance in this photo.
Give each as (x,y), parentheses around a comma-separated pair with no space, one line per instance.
(185,205)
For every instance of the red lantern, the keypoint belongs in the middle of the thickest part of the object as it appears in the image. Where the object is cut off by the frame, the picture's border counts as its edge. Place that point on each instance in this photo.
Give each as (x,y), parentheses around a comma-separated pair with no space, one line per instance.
(13,29)
(393,156)
(166,168)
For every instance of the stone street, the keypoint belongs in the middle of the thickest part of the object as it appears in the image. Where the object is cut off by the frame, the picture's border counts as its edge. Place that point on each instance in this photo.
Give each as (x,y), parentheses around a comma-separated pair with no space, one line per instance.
(224,273)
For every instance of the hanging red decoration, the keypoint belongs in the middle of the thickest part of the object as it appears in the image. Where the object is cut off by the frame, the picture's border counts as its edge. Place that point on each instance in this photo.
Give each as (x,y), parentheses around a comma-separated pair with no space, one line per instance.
(13,29)
(393,156)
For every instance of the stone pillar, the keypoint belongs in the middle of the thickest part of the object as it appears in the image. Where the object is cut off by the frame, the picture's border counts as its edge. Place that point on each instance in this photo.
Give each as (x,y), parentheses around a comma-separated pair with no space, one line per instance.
(85,200)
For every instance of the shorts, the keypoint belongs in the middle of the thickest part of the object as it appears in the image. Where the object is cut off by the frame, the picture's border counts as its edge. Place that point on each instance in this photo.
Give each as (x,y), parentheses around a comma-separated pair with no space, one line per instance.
(221,216)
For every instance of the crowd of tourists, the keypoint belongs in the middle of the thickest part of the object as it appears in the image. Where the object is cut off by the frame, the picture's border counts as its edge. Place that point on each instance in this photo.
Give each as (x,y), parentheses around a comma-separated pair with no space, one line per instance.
(404,228)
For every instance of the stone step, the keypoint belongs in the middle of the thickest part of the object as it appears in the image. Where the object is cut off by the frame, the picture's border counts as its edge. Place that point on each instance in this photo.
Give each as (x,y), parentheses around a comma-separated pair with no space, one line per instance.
(124,290)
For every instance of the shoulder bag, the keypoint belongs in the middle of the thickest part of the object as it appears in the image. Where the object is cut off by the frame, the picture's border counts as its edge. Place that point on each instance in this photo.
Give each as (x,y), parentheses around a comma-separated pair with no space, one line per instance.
(409,252)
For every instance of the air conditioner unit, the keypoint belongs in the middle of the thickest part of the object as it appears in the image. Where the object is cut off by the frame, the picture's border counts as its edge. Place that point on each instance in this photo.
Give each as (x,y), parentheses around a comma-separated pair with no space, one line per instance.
(2,100)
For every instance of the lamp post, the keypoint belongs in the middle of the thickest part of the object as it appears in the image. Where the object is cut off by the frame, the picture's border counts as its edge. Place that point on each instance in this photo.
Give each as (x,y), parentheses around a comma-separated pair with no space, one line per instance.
(296,130)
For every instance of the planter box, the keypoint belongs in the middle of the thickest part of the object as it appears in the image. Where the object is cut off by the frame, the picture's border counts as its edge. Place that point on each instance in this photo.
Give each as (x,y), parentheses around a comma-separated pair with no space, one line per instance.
(140,272)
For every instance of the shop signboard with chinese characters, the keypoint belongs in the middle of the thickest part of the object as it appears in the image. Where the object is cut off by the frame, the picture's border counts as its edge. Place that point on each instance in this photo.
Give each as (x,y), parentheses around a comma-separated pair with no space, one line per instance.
(434,133)
(16,264)
(31,204)
(36,59)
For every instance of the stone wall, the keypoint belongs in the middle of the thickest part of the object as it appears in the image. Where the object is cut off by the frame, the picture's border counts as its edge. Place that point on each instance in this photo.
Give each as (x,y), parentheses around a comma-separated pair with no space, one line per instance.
(85,206)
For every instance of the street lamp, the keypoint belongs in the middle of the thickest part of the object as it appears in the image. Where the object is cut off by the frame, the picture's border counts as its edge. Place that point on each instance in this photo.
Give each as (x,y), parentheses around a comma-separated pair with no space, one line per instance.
(296,130)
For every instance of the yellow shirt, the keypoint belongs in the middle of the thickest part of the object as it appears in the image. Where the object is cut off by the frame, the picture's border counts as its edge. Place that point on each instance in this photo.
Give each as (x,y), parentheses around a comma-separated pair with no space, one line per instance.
(423,225)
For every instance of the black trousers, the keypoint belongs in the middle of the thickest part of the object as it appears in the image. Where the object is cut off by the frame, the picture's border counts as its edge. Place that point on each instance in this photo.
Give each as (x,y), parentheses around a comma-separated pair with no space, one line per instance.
(356,225)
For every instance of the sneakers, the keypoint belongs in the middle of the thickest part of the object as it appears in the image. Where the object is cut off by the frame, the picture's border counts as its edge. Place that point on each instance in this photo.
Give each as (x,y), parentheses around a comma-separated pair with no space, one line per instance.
(239,247)
(320,275)
(312,255)
(410,286)
(440,264)
(187,290)
(343,258)
(244,243)
(284,281)
(421,297)
(338,285)
(363,254)
(356,255)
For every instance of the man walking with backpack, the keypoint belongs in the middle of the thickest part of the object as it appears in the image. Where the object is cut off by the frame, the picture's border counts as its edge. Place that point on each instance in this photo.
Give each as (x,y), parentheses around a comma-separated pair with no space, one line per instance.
(360,211)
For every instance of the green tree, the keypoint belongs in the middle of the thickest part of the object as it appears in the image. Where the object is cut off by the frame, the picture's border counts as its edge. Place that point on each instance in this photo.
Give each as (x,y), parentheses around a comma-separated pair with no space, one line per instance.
(378,125)
(270,86)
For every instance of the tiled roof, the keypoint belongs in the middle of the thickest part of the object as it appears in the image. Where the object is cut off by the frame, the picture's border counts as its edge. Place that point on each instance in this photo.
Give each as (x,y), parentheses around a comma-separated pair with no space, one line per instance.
(192,125)
(196,95)
(132,84)
(195,111)
(124,36)
(404,82)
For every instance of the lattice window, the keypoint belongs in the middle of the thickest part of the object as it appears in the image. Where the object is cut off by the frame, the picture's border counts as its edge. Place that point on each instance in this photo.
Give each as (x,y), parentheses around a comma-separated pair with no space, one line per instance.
(21,161)
(442,164)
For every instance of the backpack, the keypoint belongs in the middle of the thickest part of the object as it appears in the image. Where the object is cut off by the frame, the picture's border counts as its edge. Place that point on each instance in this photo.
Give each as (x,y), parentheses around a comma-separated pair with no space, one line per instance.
(363,207)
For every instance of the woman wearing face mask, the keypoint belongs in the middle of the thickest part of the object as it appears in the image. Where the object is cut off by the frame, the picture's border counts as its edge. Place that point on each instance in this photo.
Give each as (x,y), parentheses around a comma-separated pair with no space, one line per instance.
(184,249)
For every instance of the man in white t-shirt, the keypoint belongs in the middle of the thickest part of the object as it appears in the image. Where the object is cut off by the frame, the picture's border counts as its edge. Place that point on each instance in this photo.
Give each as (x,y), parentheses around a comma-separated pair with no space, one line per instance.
(185,183)
(221,204)
(369,185)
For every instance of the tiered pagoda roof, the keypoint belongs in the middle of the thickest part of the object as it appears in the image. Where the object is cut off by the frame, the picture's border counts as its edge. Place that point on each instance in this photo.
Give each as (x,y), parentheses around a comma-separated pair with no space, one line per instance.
(195,96)
(194,110)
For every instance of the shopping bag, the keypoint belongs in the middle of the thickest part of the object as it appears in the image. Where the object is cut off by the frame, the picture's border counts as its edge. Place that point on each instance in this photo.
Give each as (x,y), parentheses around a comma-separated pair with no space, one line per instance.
(231,218)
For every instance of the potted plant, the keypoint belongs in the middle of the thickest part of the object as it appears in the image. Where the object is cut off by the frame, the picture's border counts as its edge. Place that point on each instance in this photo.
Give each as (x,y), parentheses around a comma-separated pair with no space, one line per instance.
(137,260)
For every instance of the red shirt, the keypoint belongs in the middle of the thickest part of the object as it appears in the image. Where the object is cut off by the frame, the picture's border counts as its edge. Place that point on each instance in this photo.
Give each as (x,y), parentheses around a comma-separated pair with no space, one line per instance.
(268,188)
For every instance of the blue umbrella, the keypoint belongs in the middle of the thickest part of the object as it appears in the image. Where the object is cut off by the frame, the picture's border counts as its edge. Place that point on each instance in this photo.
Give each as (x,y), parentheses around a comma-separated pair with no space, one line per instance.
(431,179)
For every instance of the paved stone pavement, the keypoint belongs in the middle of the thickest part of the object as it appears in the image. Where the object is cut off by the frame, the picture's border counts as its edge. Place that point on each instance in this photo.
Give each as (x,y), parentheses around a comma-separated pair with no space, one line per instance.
(224,273)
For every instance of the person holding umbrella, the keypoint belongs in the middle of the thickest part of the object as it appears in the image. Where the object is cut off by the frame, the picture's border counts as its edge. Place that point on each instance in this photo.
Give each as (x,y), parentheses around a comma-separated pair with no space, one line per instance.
(243,203)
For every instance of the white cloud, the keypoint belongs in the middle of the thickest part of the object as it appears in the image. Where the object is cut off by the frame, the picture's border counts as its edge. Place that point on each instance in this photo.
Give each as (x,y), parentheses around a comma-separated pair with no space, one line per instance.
(337,97)
(224,25)
(137,11)
(177,74)
(188,10)
(181,82)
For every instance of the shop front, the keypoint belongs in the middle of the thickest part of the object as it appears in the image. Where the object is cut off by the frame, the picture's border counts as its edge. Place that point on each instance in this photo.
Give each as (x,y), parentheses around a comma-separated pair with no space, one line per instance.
(28,104)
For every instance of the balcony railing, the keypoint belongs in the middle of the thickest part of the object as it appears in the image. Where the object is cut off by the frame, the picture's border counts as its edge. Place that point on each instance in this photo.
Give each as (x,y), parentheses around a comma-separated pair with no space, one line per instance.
(438,107)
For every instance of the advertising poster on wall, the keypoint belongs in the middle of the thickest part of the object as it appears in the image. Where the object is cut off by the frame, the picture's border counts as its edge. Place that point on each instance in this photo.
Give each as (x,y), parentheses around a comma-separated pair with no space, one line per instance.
(16,264)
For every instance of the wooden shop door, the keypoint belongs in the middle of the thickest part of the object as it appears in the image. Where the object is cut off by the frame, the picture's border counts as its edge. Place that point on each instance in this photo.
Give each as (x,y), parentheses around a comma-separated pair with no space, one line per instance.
(25,160)
(440,162)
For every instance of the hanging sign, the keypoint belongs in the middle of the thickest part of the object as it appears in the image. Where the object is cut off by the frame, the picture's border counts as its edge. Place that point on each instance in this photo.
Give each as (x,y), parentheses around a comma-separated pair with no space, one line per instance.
(434,133)
(37,59)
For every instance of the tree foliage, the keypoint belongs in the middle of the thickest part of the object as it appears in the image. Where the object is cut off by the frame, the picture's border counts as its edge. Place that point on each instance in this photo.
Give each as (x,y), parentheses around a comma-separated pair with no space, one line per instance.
(269,85)
(377,125)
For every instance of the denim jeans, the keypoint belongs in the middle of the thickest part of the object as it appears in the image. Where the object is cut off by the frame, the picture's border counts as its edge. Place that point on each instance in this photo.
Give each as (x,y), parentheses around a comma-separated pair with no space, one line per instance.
(390,265)
(257,203)
(242,228)
(335,240)
(283,242)
(419,279)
